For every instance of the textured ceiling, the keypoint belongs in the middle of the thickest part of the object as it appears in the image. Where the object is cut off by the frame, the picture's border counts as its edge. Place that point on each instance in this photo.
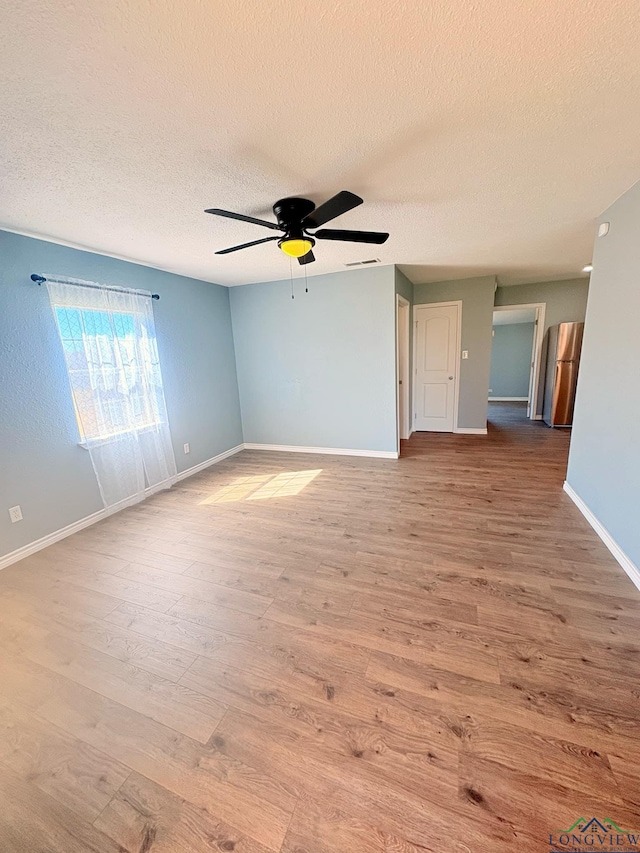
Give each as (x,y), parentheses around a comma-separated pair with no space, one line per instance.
(485,136)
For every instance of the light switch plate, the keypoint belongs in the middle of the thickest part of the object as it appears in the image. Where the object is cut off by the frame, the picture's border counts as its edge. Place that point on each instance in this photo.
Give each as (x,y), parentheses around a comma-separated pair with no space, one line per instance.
(465,353)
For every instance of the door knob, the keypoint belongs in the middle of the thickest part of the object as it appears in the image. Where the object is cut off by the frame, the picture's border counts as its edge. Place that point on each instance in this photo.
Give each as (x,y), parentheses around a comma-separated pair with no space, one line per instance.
(451,377)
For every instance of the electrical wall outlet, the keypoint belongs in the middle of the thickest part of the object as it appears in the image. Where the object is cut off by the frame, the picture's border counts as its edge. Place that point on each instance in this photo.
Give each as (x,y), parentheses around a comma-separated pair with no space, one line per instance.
(187,449)
(465,353)
(15,514)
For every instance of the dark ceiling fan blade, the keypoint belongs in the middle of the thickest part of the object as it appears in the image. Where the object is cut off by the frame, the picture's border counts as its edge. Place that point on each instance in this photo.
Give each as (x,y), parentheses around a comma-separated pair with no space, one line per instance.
(309,258)
(229,215)
(246,245)
(351,236)
(333,207)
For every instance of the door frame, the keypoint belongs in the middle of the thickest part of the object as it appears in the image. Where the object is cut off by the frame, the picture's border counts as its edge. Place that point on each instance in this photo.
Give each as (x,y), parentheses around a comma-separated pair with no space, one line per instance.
(457,303)
(403,323)
(536,351)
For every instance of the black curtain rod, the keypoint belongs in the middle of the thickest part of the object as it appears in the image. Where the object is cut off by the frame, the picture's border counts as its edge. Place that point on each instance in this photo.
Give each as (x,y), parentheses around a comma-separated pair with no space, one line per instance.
(40,279)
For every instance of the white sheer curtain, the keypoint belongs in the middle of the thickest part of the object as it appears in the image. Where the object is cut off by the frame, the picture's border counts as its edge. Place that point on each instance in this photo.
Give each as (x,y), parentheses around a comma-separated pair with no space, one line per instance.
(109,342)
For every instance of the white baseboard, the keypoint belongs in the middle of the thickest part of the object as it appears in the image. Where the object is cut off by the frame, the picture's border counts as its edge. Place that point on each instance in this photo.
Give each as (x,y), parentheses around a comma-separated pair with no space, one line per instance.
(630,568)
(536,418)
(334,451)
(208,462)
(471,430)
(87,521)
(62,533)
(508,399)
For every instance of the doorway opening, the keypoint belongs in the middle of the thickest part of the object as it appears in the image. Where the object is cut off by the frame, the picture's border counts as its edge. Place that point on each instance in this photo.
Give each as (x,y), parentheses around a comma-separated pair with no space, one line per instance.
(516,356)
(403,369)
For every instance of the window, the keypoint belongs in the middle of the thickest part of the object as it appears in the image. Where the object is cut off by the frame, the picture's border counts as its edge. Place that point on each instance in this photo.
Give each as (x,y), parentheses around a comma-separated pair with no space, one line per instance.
(109,358)
(109,343)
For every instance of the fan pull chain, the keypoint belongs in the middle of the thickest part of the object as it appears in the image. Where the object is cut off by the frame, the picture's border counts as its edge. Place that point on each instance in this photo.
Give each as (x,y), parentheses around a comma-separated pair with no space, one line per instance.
(291,276)
(306,287)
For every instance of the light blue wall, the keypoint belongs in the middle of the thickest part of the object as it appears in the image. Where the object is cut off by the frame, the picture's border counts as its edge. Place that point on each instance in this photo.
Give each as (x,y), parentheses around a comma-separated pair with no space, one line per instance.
(566,301)
(318,370)
(477,295)
(41,466)
(604,461)
(403,285)
(511,360)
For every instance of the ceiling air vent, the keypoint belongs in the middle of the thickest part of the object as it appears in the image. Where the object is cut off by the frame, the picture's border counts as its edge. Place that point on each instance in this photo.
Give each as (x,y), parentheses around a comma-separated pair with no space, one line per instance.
(363,263)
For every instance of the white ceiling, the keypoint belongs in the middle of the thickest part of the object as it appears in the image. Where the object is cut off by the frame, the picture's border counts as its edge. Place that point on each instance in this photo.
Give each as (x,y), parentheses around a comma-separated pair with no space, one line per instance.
(485,136)
(515,315)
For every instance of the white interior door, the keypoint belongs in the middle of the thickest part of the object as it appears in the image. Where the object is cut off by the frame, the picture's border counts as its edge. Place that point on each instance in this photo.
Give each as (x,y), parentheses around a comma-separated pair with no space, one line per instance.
(436,368)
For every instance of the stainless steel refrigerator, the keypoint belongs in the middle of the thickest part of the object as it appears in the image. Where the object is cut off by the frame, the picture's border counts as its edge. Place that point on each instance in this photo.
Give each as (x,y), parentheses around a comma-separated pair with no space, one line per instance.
(563,361)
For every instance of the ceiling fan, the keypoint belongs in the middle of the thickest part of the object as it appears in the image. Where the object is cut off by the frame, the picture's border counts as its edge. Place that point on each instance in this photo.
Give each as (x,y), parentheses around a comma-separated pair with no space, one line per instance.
(296,217)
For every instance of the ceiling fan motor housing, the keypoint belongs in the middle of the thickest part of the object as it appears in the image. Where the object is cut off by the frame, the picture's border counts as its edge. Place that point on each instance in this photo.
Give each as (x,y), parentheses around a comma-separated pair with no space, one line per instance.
(291,211)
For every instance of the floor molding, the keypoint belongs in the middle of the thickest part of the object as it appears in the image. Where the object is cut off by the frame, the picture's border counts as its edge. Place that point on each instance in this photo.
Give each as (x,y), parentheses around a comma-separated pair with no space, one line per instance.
(87,521)
(62,533)
(508,399)
(208,462)
(333,451)
(630,567)
(470,430)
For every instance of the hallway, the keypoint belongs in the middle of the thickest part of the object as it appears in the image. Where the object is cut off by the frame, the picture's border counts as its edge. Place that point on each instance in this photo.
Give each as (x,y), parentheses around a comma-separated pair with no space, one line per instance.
(512,415)
(321,654)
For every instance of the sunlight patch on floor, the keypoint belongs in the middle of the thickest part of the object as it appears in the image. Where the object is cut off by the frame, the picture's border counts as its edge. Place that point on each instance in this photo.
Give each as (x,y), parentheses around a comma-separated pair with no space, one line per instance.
(262,487)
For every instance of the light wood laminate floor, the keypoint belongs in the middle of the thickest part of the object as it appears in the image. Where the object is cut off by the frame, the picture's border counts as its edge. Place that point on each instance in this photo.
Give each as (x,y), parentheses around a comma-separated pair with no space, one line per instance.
(326,654)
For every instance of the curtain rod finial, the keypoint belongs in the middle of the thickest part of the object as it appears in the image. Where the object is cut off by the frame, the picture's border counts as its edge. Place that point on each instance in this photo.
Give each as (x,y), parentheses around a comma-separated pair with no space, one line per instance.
(37,278)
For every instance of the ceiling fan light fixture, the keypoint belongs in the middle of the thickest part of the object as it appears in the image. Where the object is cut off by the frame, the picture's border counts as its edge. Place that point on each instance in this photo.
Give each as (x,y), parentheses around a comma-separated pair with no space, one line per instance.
(296,247)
